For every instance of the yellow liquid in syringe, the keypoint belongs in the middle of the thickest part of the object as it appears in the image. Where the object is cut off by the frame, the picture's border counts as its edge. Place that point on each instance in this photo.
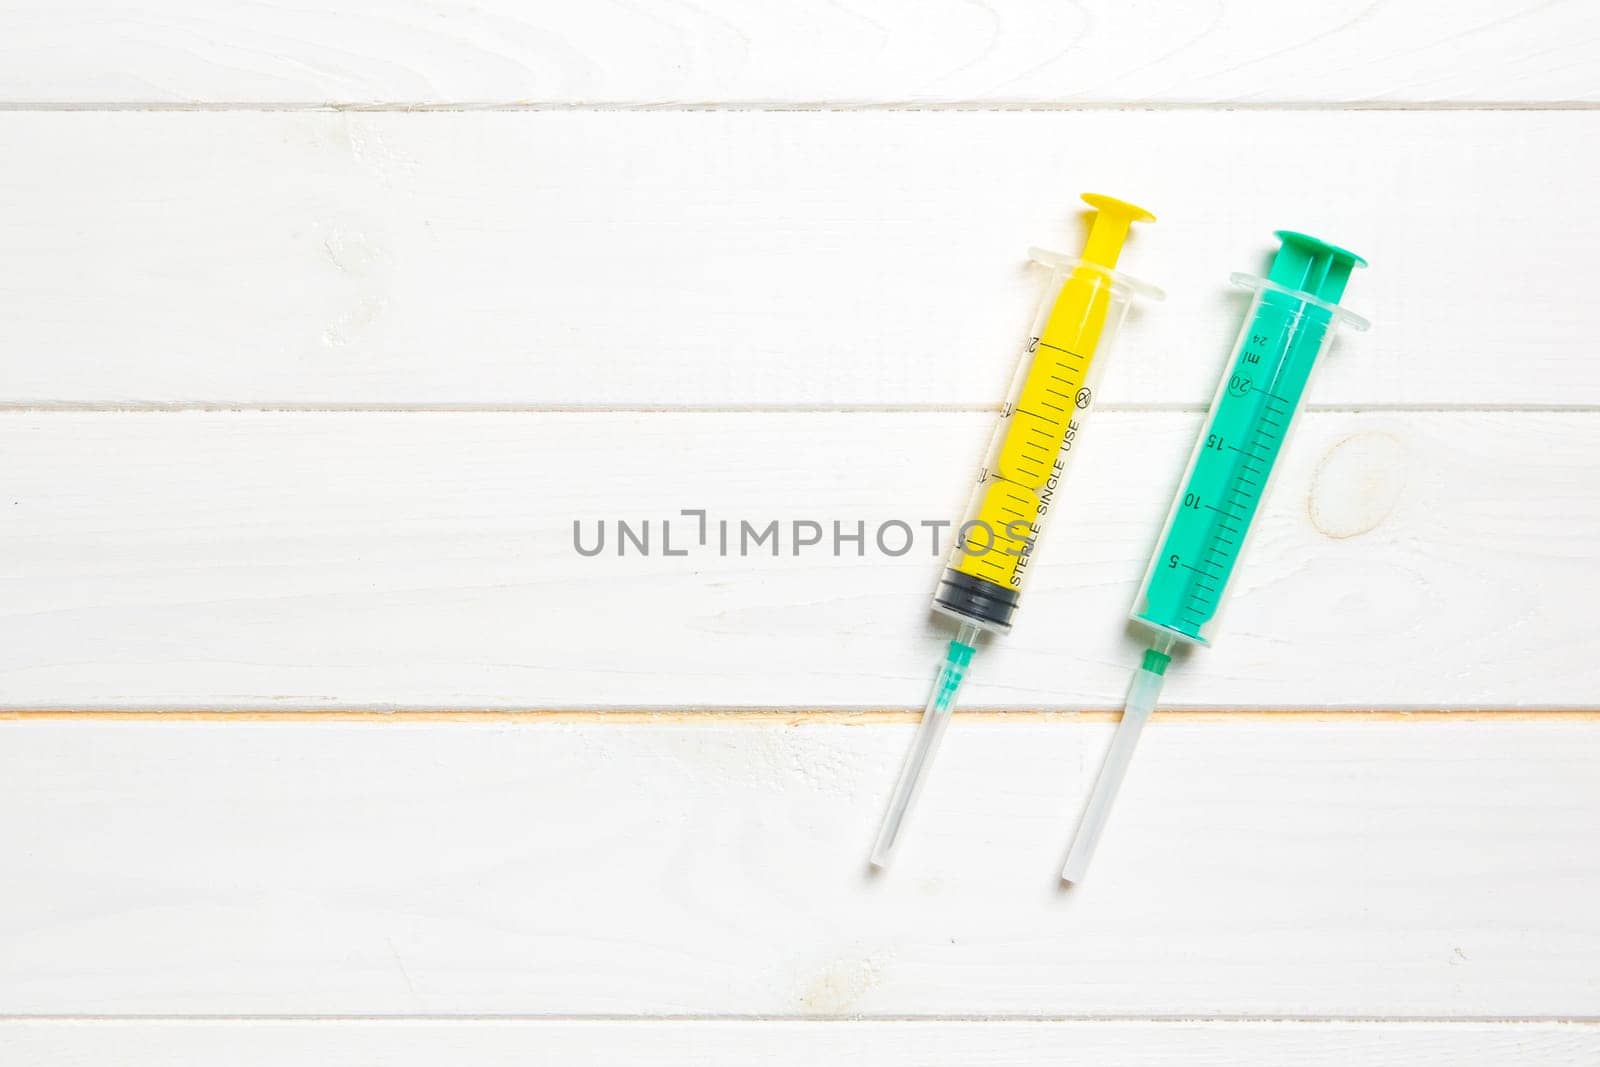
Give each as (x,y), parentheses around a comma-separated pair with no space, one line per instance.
(1056,386)
(1039,426)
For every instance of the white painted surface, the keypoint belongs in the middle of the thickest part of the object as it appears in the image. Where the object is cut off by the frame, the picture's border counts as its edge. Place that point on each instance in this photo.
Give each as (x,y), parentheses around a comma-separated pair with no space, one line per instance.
(773,259)
(652,52)
(828,297)
(1407,559)
(1258,867)
(503,1043)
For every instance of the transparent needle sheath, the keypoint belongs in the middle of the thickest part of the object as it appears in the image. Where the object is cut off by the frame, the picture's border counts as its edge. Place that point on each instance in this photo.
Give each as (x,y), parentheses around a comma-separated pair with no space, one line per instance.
(1040,425)
(1289,326)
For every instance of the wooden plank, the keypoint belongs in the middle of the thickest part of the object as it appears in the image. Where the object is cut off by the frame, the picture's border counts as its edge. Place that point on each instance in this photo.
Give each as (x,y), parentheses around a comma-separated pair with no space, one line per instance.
(492,1043)
(295,560)
(762,259)
(1257,868)
(1244,51)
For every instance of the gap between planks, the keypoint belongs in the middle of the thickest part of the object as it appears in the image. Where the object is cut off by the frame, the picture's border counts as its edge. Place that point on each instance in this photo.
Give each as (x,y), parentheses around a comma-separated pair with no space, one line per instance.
(788,716)
(403,106)
(473,1018)
(224,407)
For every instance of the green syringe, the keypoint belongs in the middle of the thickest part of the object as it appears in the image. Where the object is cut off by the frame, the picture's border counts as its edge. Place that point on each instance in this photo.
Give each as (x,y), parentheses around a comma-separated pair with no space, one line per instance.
(1289,326)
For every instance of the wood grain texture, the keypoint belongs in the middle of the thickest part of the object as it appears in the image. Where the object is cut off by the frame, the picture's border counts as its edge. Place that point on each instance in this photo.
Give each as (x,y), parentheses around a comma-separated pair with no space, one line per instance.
(260,560)
(1260,869)
(519,1043)
(762,259)
(653,52)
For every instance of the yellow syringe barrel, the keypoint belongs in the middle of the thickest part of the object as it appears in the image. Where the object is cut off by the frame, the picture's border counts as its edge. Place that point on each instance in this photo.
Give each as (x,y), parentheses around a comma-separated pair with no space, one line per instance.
(1039,425)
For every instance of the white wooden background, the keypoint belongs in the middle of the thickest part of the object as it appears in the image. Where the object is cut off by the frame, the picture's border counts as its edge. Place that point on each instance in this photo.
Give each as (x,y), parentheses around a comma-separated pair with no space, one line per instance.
(320,327)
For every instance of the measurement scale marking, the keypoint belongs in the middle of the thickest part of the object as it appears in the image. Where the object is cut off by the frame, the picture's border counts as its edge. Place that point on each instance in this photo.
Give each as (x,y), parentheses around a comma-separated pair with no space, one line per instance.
(1257,453)
(1058,348)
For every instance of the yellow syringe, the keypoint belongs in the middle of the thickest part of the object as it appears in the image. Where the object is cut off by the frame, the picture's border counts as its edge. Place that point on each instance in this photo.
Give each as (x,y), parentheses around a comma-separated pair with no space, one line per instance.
(1017,485)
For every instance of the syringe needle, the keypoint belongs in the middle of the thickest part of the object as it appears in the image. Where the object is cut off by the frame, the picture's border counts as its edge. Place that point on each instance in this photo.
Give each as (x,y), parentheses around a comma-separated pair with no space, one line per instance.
(1143,693)
(935,717)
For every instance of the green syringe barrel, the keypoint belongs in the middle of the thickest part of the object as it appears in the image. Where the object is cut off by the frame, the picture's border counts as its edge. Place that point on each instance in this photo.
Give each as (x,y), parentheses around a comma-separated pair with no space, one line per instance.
(1289,326)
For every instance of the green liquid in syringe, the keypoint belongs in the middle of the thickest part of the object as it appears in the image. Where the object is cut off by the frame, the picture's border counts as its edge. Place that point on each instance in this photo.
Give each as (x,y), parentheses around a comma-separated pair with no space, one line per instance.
(1229,476)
